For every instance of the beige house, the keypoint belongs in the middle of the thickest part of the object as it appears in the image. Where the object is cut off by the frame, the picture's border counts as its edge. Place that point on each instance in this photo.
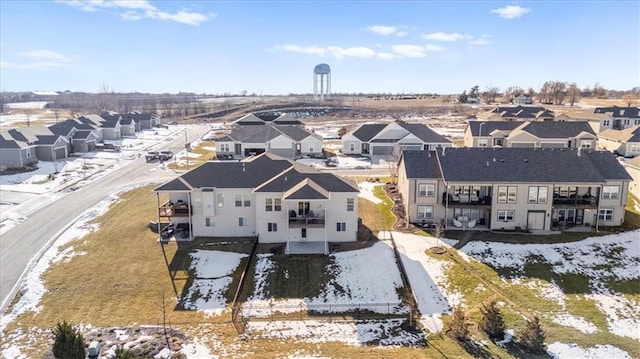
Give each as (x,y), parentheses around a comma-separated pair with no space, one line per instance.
(558,134)
(535,189)
(265,196)
(633,168)
(622,142)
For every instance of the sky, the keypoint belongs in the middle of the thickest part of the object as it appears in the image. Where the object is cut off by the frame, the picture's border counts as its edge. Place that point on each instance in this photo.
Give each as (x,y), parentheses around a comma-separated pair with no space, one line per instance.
(271,47)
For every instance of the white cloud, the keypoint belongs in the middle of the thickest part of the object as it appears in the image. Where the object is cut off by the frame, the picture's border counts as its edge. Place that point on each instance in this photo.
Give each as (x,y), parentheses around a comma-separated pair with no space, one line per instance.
(387,56)
(312,50)
(484,40)
(443,36)
(413,51)
(39,65)
(511,11)
(382,29)
(138,9)
(434,48)
(340,52)
(399,31)
(49,55)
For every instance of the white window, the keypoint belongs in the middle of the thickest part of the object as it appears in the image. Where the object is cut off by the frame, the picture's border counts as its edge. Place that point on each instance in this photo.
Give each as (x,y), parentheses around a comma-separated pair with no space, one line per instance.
(506,216)
(352,147)
(310,148)
(220,199)
(425,212)
(224,147)
(586,143)
(426,190)
(507,194)
(208,221)
(243,200)
(610,192)
(351,204)
(272,227)
(243,222)
(538,194)
(483,142)
(605,214)
(341,227)
(273,204)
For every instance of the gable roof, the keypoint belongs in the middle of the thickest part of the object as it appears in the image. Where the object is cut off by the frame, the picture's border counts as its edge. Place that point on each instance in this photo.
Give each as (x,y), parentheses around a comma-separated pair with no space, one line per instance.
(264,173)
(520,111)
(538,165)
(367,131)
(421,164)
(7,141)
(423,132)
(263,134)
(634,162)
(490,126)
(267,118)
(39,135)
(629,134)
(615,111)
(556,129)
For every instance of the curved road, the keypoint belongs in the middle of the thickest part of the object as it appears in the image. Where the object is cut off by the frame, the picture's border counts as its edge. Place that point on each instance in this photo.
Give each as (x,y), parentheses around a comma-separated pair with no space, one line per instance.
(25,242)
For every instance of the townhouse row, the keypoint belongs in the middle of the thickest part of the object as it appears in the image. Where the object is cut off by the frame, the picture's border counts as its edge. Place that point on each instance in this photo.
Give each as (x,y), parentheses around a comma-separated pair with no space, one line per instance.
(24,146)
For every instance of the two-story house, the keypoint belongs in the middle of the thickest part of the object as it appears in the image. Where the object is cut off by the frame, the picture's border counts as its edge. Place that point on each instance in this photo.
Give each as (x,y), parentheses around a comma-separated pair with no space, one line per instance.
(619,118)
(517,113)
(571,134)
(513,188)
(273,198)
(380,141)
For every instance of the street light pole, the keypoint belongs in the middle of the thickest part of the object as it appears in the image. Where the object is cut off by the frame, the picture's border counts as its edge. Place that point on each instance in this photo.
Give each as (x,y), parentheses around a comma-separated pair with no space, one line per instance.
(186,148)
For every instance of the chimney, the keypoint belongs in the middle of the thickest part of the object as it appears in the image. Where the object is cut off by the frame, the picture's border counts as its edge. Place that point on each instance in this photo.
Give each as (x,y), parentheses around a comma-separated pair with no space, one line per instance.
(443,148)
(487,163)
(285,178)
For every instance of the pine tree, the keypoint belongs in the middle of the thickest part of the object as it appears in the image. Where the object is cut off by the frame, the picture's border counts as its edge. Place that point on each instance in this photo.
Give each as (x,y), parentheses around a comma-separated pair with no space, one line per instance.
(458,329)
(68,343)
(532,337)
(492,322)
(122,353)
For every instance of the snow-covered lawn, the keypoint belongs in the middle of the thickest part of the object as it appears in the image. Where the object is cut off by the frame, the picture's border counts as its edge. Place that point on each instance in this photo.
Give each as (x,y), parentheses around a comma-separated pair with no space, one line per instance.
(356,284)
(213,270)
(366,191)
(613,257)
(338,162)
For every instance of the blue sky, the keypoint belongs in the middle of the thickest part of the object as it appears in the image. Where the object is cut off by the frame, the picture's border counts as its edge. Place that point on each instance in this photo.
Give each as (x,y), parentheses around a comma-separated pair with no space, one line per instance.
(271,47)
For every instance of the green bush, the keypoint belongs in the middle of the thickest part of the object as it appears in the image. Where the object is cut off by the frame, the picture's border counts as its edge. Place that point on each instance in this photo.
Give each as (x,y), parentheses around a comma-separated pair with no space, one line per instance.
(68,343)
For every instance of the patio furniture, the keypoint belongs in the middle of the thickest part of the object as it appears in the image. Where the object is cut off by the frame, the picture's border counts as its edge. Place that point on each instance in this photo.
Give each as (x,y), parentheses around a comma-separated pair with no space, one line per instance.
(471,223)
(457,223)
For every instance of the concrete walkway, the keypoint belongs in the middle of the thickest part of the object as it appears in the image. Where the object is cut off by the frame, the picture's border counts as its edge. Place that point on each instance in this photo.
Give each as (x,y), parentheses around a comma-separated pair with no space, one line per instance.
(307,248)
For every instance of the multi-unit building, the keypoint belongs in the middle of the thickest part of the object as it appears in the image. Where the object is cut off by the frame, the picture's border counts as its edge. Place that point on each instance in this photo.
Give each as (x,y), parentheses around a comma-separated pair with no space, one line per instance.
(571,134)
(622,142)
(273,198)
(513,188)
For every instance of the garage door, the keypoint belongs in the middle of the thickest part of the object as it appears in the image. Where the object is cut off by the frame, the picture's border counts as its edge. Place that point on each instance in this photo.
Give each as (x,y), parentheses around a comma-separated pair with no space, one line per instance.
(253,151)
(523,144)
(381,150)
(284,152)
(60,153)
(535,220)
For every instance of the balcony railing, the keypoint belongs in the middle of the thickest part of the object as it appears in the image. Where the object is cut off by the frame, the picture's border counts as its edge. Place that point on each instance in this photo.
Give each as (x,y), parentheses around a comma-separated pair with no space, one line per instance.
(465,199)
(306,222)
(576,200)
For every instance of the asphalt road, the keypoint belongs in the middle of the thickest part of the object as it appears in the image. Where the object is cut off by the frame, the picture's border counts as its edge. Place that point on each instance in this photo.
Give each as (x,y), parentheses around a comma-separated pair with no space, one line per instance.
(28,240)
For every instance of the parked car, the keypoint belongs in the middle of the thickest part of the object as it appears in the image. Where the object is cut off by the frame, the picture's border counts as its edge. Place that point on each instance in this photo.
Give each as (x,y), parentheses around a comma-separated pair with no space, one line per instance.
(152,156)
(107,147)
(165,155)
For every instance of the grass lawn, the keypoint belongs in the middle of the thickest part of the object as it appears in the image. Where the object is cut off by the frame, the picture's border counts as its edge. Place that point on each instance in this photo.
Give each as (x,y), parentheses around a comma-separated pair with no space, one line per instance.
(203,155)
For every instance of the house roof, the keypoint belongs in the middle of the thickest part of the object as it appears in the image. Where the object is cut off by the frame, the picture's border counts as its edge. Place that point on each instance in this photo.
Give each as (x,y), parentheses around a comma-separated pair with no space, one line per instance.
(520,111)
(267,118)
(367,131)
(7,141)
(538,165)
(634,162)
(529,165)
(265,173)
(556,129)
(262,134)
(423,132)
(40,135)
(421,164)
(615,111)
(490,126)
(81,135)
(629,134)
(140,116)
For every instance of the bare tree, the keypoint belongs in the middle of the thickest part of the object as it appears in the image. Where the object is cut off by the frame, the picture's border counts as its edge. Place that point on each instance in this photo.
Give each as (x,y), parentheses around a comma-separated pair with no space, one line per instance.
(545,93)
(56,112)
(599,91)
(491,93)
(104,99)
(396,153)
(630,98)
(573,91)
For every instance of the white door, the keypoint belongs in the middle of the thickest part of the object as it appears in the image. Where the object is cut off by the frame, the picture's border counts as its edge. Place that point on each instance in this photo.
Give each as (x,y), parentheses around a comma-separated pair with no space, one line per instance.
(535,220)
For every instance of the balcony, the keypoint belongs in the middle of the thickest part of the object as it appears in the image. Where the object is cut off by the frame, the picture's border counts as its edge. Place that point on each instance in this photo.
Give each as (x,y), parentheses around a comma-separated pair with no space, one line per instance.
(585,200)
(306,222)
(465,199)
(178,209)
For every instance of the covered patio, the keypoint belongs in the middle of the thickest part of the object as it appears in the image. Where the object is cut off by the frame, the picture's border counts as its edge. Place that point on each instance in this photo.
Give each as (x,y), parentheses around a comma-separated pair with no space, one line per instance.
(313,247)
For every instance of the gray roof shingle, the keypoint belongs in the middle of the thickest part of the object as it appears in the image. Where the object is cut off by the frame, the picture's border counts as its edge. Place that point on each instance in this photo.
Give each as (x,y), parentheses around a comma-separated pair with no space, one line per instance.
(421,164)
(423,132)
(367,131)
(557,129)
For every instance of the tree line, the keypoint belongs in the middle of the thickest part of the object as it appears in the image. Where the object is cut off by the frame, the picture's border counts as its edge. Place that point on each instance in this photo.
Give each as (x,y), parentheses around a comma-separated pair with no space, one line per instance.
(551,93)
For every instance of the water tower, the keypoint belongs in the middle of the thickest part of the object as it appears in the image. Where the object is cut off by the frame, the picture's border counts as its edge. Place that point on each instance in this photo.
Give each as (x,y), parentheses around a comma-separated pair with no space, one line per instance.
(321,82)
